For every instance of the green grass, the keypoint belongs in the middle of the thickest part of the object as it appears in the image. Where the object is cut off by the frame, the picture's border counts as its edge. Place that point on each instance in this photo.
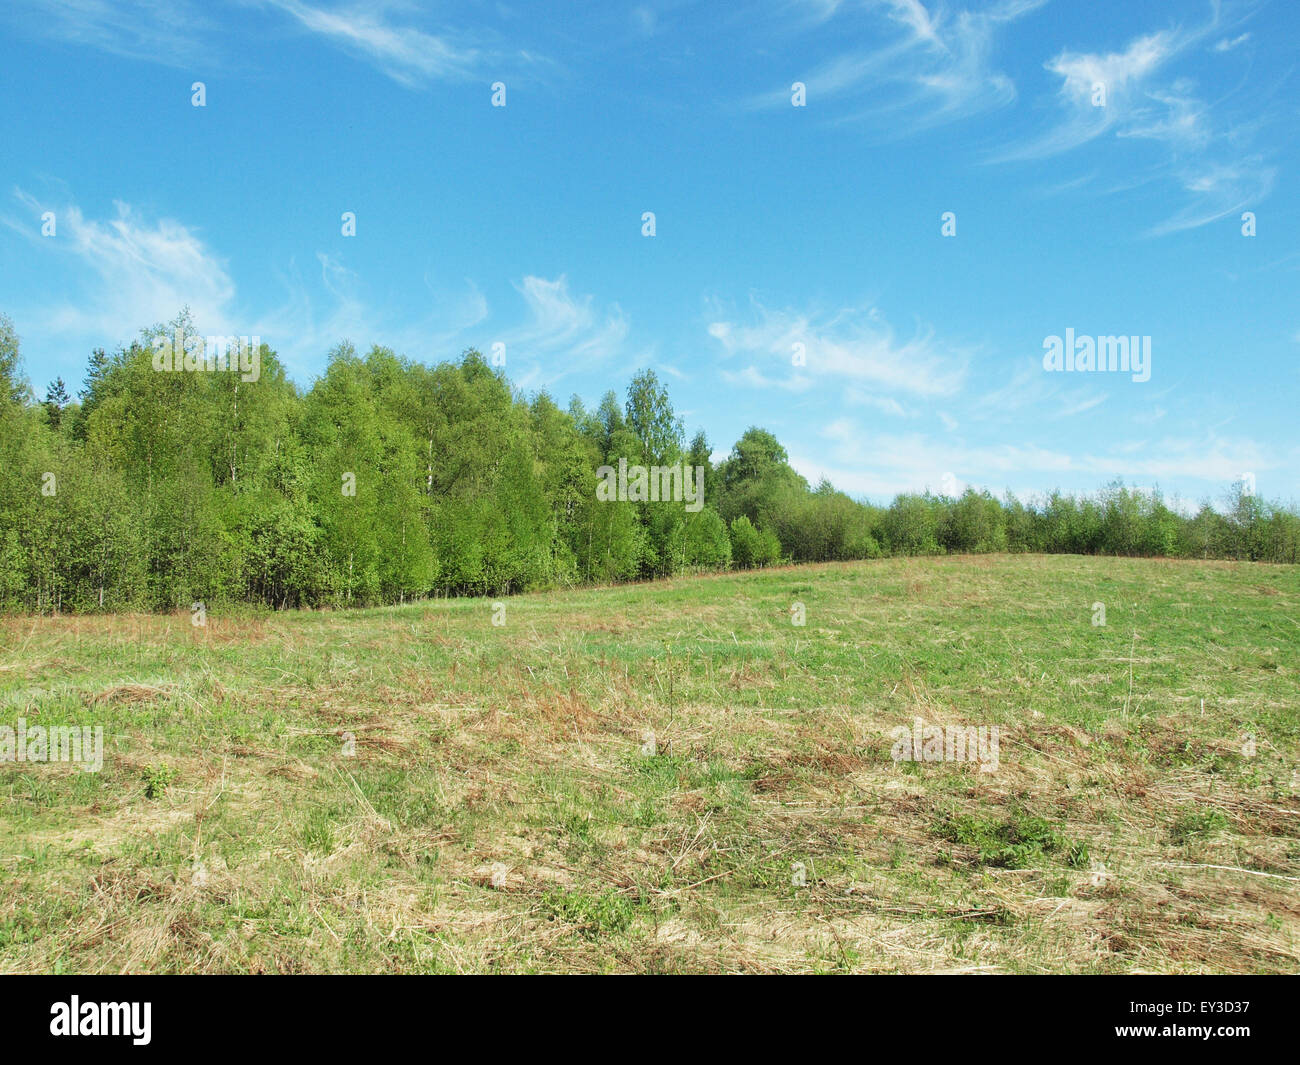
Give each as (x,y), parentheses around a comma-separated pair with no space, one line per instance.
(673,777)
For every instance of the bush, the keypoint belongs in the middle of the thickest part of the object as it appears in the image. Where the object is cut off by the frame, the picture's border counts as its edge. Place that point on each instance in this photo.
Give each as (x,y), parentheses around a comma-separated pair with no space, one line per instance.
(751,547)
(707,544)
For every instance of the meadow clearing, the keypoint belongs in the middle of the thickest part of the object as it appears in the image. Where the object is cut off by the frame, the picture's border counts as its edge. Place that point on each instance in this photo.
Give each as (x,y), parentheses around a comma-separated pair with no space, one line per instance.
(674,777)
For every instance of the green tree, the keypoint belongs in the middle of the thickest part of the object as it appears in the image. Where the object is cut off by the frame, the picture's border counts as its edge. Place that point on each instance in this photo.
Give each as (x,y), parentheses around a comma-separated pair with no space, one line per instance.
(56,399)
(650,416)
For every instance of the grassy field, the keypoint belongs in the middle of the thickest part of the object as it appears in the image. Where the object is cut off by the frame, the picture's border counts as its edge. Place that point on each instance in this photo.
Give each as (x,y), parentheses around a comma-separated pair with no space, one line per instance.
(674,777)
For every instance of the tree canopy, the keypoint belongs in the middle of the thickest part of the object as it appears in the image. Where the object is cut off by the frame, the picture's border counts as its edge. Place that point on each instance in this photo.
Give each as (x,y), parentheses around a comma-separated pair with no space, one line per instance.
(388,480)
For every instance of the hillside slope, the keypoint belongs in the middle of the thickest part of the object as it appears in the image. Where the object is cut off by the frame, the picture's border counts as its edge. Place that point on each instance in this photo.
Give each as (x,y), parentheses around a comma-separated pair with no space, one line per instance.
(675,776)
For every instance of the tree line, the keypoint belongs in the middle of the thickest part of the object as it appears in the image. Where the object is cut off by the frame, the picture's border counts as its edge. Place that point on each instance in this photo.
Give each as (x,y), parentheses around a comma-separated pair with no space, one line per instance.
(388,480)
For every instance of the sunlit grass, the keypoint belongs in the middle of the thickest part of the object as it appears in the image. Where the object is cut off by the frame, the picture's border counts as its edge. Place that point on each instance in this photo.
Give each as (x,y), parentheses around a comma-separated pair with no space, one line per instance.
(674,777)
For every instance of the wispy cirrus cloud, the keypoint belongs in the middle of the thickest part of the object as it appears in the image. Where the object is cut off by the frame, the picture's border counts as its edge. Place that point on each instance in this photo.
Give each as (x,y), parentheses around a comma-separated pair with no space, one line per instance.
(126,272)
(1218,190)
(393,36)
(1135,94)
(403,51)
(881,464)
(1101,92)
(170,32)
(563,334)
(132,270)
(561,321)
(1115,93)
(1228,44)
(909,63)
(332,303)
(855,346)
(752,377)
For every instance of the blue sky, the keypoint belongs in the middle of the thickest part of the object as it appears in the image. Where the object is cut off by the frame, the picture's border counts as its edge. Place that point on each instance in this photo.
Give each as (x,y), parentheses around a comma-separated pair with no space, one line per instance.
(776,225)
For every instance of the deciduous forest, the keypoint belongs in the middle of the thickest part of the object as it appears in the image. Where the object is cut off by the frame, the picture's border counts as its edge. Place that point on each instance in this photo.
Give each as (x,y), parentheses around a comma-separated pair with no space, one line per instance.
(388,480)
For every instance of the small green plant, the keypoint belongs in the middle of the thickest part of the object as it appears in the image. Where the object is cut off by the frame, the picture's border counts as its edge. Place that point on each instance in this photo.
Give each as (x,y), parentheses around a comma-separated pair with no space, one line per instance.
(592,915)
(157,778)
(20,927)
(1014,843)
(318,831)
(1197,825)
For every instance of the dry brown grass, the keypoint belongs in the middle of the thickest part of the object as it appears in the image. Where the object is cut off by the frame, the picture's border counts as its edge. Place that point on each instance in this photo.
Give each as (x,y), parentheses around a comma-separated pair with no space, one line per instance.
(499,812)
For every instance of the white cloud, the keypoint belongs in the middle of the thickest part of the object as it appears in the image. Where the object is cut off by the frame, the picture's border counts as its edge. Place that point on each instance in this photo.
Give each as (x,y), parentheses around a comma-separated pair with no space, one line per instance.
(1117,71)
(1182,122)
(936,65)
(318,315)
(171,32)
(852,345)
(752,377)
(561,321)
(1217,190)
(128,272)
(1100,93)
(182,33)
(1227,45)
(884,404)
(1132,95)
(404,53)
(912,13)
(564,334)
(881,464)
(1083,405)
(560,333)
